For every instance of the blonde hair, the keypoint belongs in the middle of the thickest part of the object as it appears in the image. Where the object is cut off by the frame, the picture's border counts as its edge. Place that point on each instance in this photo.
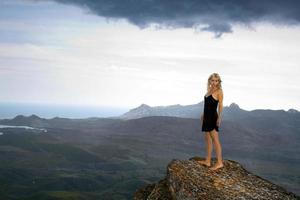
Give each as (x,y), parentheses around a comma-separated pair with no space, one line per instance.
(217,76)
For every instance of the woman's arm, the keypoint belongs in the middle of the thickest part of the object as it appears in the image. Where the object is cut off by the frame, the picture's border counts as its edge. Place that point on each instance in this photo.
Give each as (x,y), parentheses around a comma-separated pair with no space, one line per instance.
(220,106)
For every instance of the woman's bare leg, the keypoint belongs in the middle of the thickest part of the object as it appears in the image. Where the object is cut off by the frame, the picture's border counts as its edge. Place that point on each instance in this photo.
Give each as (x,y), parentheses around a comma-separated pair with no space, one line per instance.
(218,148)
(208,141)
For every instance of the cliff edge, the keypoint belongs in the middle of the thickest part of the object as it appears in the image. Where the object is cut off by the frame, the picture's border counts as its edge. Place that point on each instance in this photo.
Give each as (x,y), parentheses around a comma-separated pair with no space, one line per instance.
(189,180)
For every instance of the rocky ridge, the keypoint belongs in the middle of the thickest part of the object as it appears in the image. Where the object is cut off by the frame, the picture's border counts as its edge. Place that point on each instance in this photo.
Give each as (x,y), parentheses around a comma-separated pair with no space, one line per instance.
(189,180)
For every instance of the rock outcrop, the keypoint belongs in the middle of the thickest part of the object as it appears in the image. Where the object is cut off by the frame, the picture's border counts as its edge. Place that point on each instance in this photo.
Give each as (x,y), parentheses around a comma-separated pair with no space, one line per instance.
(189,180)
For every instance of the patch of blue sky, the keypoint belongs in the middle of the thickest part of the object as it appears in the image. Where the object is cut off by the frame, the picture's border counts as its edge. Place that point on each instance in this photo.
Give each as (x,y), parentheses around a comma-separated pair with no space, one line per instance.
(43,23)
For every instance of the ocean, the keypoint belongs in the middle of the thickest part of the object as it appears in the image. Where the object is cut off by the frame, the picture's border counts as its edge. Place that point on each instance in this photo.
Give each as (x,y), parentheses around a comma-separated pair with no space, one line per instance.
(10,110)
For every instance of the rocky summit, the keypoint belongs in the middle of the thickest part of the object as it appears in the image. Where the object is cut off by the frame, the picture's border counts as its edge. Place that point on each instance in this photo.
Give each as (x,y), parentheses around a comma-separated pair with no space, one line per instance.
(190,180)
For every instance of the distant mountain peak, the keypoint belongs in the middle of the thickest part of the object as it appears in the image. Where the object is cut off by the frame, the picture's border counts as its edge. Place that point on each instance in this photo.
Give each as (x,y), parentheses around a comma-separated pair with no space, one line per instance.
(234,106)
(33,116)
(292,110)
(144,106)
(187,179)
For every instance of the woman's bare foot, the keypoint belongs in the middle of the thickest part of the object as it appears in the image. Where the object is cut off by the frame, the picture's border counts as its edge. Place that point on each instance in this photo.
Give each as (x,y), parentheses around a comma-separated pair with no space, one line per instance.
(217,166)
(204,162)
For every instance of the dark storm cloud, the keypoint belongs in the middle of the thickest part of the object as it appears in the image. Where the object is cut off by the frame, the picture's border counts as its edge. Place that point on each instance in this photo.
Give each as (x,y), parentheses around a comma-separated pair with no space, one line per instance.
(216,16)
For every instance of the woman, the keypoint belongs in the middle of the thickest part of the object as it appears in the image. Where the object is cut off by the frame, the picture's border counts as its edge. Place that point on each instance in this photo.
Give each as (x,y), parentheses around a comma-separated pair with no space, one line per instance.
(211,119)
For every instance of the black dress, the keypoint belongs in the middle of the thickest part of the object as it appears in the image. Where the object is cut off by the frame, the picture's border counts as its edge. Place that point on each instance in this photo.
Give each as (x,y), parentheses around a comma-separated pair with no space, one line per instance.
(210,114)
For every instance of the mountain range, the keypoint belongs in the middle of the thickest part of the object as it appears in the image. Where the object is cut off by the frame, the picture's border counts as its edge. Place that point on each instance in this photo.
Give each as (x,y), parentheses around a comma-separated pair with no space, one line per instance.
(231,112)
(110,158)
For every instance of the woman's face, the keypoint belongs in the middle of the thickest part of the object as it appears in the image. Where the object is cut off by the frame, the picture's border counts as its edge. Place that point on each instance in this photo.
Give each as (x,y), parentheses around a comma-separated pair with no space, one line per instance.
(214,81)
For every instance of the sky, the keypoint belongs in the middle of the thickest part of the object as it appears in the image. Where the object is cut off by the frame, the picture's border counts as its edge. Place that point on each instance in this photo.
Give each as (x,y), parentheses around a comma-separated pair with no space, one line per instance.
(159,53)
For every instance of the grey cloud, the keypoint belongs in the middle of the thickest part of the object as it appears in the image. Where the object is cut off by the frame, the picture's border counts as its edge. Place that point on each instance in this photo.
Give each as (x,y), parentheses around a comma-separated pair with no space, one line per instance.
(217,16)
